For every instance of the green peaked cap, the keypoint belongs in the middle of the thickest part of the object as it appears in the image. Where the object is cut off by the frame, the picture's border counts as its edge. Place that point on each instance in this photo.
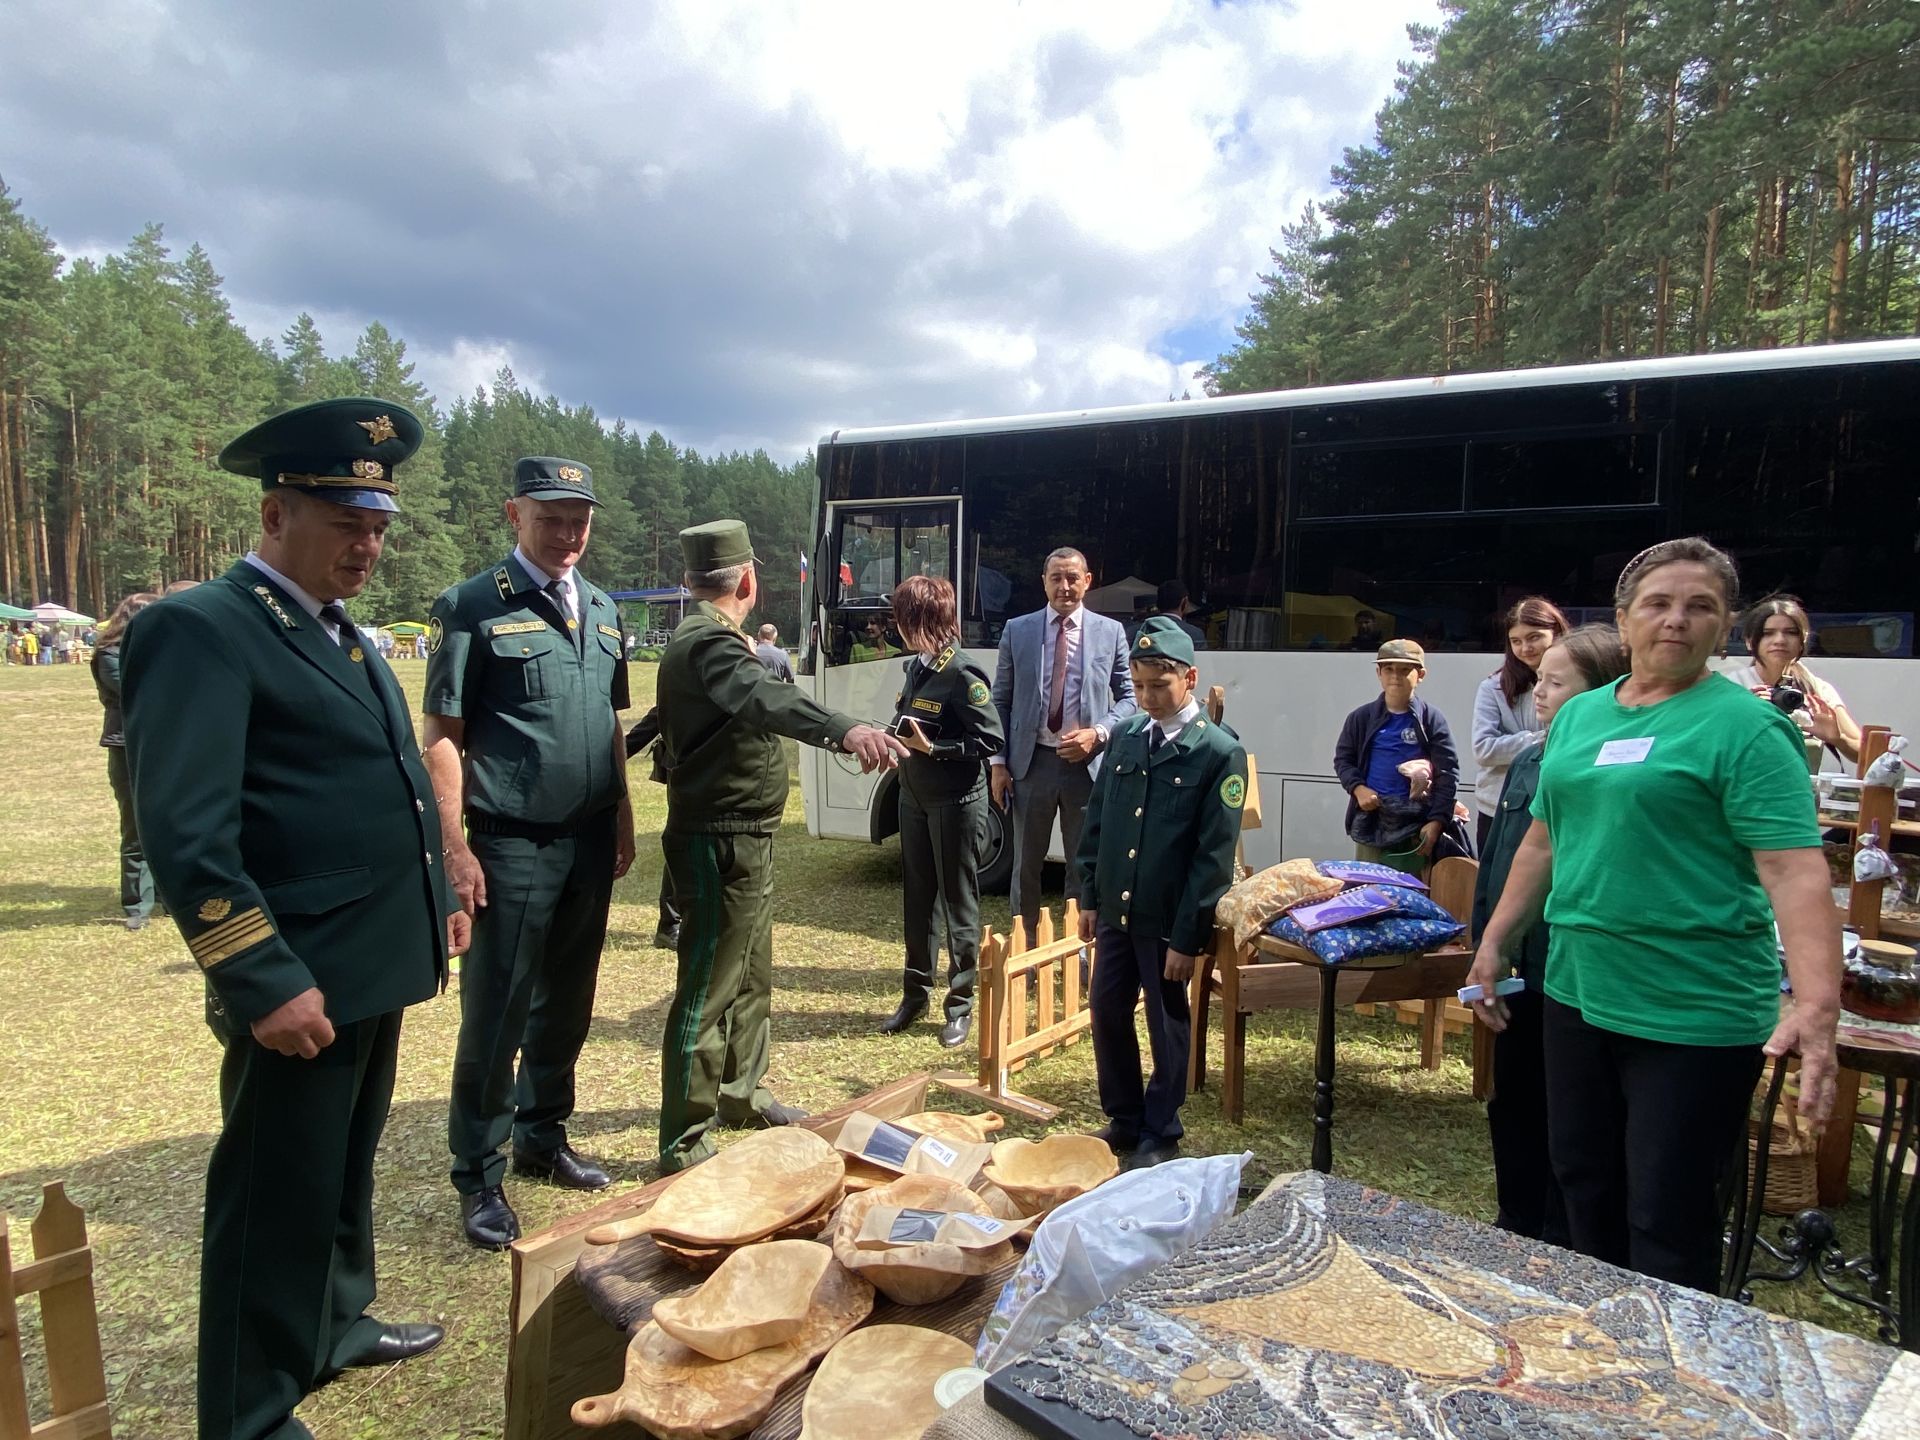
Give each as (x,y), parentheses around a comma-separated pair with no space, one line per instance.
(340,450)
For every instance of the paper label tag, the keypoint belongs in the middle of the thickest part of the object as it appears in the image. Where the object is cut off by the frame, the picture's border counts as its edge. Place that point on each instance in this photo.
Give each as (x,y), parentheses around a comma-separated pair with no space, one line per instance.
(1625,752)
(886,1226)
(939,1150)
(904,1152)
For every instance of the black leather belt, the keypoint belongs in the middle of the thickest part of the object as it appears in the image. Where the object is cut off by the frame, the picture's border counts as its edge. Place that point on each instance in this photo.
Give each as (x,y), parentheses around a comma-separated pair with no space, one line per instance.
(481,823)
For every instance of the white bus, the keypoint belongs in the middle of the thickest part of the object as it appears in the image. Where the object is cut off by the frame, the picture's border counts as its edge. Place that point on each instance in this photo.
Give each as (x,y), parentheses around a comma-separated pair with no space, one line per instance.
(1432,503)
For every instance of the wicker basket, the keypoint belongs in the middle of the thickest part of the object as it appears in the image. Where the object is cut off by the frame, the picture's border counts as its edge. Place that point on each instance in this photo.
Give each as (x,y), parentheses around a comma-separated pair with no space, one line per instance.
(1792,1161)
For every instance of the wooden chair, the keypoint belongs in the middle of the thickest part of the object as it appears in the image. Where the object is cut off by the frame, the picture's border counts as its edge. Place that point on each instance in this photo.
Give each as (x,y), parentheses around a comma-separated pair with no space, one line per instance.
(1247,984)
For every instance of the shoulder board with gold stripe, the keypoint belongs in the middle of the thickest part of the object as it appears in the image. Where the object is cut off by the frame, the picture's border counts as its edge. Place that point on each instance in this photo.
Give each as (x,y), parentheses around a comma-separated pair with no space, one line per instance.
(517,627)
(944,659)
(608,630)
(503,582)
(272,602)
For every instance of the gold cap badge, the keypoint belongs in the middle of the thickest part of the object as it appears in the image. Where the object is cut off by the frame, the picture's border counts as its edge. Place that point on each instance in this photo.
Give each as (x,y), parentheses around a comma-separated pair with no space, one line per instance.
(1146,642)
(215,909)
(570,474)
(369,469)
(379,429)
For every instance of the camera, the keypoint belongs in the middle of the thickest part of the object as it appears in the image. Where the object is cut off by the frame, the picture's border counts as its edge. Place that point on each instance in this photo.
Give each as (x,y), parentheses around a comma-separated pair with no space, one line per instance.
(1788,697)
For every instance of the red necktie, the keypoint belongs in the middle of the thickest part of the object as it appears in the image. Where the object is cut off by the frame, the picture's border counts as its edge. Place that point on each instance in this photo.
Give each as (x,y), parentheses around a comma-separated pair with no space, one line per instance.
(1056,710)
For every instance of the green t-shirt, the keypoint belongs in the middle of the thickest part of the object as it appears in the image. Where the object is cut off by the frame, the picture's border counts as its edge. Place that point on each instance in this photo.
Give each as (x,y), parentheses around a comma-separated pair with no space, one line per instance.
(1660,927)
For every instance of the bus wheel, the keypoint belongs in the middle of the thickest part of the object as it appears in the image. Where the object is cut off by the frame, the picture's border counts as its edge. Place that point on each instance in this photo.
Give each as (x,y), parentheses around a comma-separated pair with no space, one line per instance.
(996,856)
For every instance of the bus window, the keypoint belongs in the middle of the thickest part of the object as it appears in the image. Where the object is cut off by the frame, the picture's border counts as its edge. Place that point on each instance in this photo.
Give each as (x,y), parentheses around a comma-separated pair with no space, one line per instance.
(874,548)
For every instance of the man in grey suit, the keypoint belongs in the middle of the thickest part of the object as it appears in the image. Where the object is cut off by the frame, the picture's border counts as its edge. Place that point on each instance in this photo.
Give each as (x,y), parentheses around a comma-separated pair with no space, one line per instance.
(1061,685)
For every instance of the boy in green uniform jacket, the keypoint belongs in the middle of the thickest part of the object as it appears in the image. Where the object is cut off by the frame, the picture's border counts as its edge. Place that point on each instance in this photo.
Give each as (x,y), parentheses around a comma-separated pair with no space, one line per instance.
(291,830)
(1156,855)
(721,719)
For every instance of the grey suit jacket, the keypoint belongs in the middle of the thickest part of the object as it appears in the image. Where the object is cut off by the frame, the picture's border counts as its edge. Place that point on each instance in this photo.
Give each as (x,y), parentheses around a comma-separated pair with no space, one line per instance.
(1020,681)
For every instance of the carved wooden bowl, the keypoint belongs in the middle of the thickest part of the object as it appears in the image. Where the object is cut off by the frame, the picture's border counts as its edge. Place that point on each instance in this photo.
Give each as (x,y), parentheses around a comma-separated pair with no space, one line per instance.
(746,1192)
(915,1274)
(1039,1175)
(758,1297)
(954,1128)
(877,1384)
(676,1393)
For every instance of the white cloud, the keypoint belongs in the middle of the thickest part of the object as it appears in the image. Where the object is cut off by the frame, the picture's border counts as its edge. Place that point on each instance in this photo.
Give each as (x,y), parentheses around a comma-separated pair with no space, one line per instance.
(748,221)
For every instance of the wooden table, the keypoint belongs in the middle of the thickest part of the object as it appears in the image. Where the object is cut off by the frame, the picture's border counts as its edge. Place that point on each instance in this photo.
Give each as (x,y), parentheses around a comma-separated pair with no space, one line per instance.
(1893,1201)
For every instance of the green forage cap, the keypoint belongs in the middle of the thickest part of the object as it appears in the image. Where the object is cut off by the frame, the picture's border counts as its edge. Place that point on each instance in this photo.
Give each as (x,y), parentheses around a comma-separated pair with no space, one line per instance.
(716,545)
(548,477)
(1162,636)
(339,450)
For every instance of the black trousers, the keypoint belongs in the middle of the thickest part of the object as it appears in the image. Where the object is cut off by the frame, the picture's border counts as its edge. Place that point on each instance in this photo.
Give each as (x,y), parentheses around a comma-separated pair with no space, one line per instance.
(136,881)
(1125,967)
(940,849)
(286,1267)
(1644,1137)
(1530,1202)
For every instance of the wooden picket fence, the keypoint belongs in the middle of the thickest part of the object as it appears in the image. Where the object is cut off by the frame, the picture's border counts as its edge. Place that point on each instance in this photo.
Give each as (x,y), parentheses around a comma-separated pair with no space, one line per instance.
(1029,1001)
(61,1274)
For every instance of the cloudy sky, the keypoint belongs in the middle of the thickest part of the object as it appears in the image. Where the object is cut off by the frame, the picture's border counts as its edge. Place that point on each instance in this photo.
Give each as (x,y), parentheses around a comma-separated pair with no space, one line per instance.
(744,224)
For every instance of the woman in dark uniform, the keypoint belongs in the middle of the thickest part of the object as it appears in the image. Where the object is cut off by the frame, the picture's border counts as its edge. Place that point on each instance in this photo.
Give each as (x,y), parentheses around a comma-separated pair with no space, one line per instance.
(136,881)
(947,720)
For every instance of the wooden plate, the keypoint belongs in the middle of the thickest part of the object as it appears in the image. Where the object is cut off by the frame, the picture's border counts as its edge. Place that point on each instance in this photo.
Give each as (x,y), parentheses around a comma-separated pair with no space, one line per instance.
(747,1191)
(758,1297)
(877,1384)
(705,1259)
(677,1393)
(1039,1175)
(947,1125)
(914,1274)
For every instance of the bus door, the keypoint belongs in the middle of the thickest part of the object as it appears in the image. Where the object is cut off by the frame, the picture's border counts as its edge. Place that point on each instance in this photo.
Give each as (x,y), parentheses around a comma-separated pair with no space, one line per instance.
(869,546)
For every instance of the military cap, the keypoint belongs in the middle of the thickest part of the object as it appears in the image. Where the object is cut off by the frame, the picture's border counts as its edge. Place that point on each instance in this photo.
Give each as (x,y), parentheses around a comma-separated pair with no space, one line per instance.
(1162,638)
(1401,652)
(716,545)
(340,450)
(547,477)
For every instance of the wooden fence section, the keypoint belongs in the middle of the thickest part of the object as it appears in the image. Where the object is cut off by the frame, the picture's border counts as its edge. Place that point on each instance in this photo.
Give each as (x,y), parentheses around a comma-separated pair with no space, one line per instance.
(1029,1000)
(61,1274)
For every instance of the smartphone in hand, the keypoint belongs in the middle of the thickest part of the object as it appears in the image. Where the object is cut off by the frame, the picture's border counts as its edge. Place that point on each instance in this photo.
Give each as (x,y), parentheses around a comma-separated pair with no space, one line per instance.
(909,732)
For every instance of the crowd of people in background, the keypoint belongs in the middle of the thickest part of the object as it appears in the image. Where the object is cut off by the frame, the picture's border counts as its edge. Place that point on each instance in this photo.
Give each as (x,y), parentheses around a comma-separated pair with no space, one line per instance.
(30,642)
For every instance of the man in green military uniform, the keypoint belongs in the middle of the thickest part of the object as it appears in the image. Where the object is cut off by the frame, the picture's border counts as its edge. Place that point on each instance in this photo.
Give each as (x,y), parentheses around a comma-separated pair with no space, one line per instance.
(289,823)
(1156,854)
(721,719)
(526,672)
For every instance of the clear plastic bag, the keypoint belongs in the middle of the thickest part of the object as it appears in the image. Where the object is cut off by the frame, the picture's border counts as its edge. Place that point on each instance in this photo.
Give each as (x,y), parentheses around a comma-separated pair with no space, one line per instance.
(1093,1246)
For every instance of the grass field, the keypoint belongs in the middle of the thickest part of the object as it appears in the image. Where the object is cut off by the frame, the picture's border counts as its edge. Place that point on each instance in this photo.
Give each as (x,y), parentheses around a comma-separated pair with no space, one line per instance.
(109,1076)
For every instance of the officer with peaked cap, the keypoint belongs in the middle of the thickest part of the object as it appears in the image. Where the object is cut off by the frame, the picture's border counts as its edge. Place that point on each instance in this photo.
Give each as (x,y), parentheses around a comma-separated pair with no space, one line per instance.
(526,670)
(721,719)
(291,830)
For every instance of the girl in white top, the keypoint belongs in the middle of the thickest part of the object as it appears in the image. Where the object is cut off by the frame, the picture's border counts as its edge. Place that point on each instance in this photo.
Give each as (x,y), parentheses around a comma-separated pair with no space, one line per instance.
(1777,632)
(1504,724)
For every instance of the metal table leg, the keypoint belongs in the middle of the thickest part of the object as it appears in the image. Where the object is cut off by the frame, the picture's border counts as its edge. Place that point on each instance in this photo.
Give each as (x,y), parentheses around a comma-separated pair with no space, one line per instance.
(1323,1075)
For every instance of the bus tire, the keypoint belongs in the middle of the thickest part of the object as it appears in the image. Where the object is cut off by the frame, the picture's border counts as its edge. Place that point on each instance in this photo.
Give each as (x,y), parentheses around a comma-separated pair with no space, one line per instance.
(996,855)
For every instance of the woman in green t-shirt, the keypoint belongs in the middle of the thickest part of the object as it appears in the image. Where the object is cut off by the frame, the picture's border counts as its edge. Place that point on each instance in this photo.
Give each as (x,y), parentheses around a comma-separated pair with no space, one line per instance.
(1673,826)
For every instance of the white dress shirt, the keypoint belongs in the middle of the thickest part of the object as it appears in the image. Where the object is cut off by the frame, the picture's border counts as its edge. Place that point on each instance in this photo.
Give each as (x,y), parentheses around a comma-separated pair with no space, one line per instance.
(1170,729)
(570,592)
(300,597)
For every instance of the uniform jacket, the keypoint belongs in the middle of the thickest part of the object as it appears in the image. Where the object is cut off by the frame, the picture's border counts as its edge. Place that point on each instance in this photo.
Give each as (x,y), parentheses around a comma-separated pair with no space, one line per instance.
(1510,825)
(536,698)
(1355,745)
(1020,681)
(954,704)
(721,719)
(283,805)
(106,683)
(1156,851)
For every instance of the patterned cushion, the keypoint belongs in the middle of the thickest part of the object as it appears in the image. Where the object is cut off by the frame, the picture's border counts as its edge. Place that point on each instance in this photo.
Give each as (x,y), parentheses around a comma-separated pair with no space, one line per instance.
(1249,906)
(1368,872)
(1389,935)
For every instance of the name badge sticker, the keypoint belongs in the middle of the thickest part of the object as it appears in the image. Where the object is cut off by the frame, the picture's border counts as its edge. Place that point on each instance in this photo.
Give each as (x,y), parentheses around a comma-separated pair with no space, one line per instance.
(1625,752)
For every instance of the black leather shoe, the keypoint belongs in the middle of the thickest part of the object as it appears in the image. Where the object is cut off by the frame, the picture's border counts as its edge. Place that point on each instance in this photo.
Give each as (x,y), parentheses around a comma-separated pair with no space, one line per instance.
(1119,1141)
(954,1033)
(565,1167)
(777,1114)
(1151,1153)
(666,938)
(909,1011)
(395,1343)
(489,1220)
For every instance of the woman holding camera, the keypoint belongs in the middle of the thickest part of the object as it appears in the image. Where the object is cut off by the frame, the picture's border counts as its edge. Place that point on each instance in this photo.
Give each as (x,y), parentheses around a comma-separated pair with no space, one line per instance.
(1777,632)
(1673,827)
(947,720)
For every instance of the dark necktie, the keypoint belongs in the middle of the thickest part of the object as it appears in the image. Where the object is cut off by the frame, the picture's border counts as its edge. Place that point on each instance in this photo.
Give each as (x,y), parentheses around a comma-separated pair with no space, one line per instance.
(1057,703)
(556,591)
(349,638)
(1159,739)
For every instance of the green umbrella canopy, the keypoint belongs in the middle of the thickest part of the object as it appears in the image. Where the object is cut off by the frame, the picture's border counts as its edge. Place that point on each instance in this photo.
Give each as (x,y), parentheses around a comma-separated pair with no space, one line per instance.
(406,627)
(14,612)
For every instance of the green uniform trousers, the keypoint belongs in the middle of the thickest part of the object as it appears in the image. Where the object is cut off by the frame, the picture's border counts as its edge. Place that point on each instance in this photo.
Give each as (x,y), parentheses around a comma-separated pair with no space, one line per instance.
(286,1266)
(136,881)
(526,985)
(714,1053)
(1409,860)
(940,849)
